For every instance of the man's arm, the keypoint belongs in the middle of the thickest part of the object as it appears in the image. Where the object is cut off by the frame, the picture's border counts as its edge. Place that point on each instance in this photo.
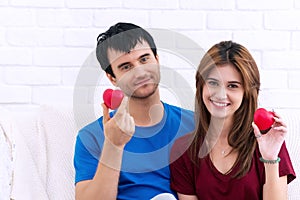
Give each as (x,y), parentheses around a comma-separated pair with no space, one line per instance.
(104,185)
(117,131)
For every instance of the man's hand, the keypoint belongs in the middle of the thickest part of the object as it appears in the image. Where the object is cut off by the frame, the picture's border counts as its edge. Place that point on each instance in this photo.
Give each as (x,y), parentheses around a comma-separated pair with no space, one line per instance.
(120,128)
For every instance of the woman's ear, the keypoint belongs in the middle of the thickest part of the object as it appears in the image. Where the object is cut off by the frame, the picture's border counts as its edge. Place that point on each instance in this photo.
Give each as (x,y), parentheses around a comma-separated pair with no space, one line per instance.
(111,79)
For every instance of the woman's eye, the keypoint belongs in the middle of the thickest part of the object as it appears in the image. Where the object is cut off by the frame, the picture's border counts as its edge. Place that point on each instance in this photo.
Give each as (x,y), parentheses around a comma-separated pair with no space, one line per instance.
(212,83)
(233,86)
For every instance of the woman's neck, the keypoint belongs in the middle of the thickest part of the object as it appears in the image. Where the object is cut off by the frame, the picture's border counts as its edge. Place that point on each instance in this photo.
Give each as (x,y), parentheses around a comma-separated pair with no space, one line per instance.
(219,130)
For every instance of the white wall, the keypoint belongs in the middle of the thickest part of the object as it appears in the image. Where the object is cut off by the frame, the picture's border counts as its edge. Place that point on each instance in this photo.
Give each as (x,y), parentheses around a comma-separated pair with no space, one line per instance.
(44,43)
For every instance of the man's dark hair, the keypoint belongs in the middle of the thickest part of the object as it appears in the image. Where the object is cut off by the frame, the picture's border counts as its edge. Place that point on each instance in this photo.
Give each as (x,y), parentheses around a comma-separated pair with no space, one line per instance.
(121,37)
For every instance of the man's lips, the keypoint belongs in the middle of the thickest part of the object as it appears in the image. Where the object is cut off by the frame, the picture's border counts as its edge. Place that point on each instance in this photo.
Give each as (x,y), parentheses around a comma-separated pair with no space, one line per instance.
(142,82)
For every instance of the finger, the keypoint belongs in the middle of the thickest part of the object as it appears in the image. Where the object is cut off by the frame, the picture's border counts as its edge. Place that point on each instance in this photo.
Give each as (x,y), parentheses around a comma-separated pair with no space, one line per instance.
(280,128)
(123,106)
(120,122)
(126,123)
(105,111)
(256,131)
(279,121)
(130,125)
(276,114)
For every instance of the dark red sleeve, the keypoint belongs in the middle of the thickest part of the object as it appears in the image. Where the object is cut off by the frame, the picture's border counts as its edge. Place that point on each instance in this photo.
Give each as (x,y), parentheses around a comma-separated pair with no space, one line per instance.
(285,164)
(182,168)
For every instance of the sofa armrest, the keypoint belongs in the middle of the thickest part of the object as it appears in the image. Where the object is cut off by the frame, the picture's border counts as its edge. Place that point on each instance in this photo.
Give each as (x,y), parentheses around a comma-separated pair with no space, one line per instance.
(7,154)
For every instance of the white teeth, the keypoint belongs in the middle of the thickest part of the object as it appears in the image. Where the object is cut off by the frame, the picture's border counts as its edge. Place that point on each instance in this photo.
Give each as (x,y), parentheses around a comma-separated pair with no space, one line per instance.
(220,104)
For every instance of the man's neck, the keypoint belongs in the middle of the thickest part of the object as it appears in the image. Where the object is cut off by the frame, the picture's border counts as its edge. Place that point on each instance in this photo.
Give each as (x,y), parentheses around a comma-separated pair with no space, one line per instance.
(146,112)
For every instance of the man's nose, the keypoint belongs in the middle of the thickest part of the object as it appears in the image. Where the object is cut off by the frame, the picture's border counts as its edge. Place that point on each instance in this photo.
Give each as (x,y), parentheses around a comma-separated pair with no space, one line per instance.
(139,71)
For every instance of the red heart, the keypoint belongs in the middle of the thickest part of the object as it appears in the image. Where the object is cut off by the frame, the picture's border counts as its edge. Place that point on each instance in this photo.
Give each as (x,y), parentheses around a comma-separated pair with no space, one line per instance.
(263,119)
(112,98)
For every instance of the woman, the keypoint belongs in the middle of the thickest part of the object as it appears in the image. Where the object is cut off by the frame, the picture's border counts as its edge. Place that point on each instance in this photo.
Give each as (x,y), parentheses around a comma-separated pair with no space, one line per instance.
(227,157)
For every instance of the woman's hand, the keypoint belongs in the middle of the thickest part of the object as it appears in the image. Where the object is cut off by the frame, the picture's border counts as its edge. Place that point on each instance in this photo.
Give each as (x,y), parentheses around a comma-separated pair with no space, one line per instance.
(270,143)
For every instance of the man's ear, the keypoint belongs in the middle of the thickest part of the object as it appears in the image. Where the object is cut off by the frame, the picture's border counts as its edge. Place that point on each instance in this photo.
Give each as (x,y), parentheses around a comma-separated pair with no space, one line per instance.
(157,58)
(111,79)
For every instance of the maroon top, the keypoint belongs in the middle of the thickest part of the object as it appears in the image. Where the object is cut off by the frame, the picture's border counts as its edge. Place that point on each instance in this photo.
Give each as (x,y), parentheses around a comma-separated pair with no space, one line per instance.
(206,182)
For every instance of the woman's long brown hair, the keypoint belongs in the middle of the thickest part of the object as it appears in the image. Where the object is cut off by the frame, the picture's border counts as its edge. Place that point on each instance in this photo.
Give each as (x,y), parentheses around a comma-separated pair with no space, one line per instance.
(240,137)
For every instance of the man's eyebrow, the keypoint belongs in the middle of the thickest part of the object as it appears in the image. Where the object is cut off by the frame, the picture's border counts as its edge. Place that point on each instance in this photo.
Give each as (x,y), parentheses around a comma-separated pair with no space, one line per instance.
(144,55)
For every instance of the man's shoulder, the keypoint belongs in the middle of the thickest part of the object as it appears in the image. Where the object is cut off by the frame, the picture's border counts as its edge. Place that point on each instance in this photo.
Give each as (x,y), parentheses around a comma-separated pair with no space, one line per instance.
(177,109)
(91,135)
(177,112)
(91,128)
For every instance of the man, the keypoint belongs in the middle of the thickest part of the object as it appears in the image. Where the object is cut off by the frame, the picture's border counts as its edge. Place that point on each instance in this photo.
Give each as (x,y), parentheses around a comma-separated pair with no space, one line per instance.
(125,153)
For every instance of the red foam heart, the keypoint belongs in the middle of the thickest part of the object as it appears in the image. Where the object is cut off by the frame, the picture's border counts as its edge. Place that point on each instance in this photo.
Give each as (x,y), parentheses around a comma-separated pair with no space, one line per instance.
(107,97)
(112,98)
(263,119)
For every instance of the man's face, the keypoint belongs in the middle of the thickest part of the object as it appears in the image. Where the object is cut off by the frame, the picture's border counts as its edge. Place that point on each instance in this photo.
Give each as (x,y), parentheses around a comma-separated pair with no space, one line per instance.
(136,72)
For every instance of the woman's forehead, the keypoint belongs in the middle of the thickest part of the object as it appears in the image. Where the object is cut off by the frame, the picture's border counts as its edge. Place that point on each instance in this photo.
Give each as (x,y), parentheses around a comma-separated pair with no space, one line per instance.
(226,72)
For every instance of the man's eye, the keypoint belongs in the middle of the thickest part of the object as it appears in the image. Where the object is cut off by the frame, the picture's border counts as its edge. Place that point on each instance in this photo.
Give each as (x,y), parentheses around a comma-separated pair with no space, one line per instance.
(125,67)
(144,59)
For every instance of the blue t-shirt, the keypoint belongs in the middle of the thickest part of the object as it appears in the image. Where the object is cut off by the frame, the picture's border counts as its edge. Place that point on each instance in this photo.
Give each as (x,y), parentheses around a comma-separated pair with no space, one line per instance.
(145,164)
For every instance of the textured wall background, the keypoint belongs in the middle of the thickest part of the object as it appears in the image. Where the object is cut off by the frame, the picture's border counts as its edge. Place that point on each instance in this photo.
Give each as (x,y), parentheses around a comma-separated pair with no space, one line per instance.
(44,43)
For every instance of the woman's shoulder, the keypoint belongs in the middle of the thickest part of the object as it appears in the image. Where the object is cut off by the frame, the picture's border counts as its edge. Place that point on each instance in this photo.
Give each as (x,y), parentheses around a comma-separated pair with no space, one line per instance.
(181,146)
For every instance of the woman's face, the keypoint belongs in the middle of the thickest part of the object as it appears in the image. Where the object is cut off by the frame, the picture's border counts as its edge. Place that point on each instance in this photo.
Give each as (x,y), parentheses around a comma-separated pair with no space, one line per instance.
(223,91)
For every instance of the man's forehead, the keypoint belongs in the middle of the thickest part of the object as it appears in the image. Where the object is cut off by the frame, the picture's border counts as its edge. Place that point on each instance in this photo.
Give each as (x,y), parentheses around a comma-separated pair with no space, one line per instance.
(114,54)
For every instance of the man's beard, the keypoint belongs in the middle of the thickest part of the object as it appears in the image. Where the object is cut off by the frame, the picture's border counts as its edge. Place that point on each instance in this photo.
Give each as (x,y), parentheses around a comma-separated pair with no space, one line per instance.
(133,95)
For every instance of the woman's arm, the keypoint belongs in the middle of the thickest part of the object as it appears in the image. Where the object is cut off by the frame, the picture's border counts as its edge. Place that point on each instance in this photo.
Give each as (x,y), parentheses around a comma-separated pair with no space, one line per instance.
(275,186)
(186,197)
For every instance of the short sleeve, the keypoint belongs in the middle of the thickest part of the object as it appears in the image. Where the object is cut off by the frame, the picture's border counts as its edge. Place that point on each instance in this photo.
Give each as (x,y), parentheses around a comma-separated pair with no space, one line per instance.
(285,165)
(85,164)
(182,168)
(88,147)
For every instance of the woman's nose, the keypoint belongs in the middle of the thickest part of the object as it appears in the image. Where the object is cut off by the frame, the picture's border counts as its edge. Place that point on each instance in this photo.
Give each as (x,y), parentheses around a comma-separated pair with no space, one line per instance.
(221,93)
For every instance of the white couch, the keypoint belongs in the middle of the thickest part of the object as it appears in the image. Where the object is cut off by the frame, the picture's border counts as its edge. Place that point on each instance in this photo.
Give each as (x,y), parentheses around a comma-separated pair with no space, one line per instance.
(41,142)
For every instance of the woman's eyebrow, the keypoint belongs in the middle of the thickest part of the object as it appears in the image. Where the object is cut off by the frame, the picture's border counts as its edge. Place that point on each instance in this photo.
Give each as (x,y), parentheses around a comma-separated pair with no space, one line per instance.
(231,82)
(236,82)
(212,79)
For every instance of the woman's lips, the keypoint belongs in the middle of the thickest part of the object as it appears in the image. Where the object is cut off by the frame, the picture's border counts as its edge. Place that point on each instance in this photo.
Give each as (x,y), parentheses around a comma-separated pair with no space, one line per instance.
(220,104)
